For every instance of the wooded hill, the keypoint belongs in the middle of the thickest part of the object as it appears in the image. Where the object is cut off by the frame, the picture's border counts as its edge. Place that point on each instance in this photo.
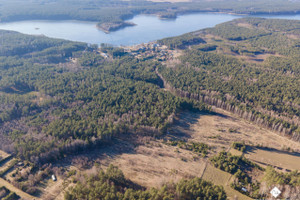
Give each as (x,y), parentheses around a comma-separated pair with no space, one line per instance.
(247,66)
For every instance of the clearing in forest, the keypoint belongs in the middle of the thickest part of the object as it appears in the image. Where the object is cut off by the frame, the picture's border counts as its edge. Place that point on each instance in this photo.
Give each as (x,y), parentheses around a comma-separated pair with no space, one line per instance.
(279,159)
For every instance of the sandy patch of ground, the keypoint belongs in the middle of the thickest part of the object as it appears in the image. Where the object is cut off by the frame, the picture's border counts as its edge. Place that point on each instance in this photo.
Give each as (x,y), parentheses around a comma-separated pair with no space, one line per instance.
(245,25)
(293,36)
(52,189)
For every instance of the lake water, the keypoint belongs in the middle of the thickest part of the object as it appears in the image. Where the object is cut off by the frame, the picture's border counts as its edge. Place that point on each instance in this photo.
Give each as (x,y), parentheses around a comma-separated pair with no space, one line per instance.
(148,28)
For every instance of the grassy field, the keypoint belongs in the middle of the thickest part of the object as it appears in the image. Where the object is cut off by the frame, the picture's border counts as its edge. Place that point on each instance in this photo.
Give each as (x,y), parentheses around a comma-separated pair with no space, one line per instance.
(215,129)
(279,159)
(155,164)
(235,152)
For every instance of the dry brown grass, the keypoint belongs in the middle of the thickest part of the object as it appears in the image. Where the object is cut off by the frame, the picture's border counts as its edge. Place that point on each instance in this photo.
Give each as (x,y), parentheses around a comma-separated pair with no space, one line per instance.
(156,164)
(214,130)
(3,154)
(276,158)
(235,152)
(216,176)
(293,36)
(52,189)
(245,25)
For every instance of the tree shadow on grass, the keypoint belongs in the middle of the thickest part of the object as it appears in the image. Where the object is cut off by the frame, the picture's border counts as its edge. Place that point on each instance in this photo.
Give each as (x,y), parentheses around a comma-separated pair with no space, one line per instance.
(250,149)
(185,120)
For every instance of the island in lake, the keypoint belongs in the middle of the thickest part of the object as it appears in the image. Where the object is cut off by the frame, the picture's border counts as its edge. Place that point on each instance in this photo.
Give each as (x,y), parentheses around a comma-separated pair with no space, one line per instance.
(108,27)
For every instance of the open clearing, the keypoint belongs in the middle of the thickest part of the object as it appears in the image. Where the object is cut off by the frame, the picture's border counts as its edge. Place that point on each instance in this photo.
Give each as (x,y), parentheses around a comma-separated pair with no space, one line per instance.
(154,164)
(276,158)
(223,128)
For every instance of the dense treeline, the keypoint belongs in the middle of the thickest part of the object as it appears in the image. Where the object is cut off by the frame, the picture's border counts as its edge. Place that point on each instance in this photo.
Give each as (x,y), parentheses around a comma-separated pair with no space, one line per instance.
(265,93)
(232,164)
(112,185)
(15,44)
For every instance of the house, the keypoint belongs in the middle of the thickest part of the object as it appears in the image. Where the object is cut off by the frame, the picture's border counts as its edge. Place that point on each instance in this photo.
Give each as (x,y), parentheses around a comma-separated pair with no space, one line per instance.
(244,189)
(53,177)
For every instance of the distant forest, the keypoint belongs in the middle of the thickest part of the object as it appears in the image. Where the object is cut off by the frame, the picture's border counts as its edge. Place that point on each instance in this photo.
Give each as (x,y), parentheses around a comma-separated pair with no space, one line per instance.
(118,10)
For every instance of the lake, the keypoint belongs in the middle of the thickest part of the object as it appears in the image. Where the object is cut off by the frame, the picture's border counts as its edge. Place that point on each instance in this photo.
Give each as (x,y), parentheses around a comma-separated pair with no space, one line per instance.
(148,28)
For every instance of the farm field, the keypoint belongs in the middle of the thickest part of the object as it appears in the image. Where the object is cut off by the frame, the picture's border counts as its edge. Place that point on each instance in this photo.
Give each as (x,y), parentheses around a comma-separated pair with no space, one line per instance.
(276,158)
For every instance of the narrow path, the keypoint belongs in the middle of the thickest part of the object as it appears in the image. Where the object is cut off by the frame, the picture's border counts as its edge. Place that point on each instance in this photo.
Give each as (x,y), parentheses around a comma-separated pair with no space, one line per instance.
(204,170)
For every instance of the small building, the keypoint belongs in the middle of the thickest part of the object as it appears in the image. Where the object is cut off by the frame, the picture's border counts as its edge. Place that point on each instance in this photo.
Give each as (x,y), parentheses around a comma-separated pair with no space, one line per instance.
(244,189)
(53,177)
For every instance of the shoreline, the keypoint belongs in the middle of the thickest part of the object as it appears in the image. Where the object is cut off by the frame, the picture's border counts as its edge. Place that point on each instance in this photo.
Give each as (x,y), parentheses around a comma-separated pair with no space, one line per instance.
(159,16)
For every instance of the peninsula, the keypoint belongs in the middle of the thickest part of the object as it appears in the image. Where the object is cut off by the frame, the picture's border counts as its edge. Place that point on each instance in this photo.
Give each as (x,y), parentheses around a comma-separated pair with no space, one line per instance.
(108,27)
